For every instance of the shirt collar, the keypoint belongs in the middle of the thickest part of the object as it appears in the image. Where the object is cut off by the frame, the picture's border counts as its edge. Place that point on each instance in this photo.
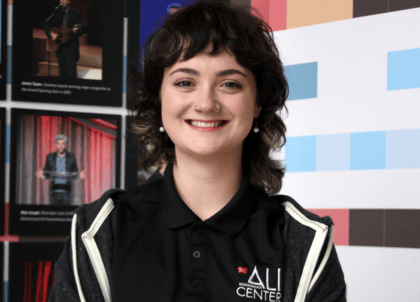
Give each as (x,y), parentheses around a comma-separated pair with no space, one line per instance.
(229,220)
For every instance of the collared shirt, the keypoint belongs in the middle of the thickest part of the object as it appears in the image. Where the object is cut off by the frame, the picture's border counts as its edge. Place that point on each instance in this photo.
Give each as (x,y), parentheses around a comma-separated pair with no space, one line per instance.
(164,252)
(60,164)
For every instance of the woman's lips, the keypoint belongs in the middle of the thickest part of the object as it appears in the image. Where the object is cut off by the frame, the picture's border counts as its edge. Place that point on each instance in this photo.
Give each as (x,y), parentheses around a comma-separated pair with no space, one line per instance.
(207,125)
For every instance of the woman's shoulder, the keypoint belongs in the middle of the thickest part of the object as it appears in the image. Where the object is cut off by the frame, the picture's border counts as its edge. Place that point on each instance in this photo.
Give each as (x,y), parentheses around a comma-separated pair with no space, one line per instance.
(292,209)
(133,198)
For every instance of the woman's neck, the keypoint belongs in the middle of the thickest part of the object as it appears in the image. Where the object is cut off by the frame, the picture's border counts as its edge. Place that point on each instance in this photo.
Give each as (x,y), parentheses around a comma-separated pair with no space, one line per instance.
(206,186)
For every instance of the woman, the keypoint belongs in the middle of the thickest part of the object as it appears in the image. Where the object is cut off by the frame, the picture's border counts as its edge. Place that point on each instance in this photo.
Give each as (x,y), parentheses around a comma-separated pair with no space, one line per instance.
(209,230)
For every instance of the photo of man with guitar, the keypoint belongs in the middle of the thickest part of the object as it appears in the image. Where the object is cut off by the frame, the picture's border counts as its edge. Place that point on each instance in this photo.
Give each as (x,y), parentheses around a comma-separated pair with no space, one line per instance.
(63,28)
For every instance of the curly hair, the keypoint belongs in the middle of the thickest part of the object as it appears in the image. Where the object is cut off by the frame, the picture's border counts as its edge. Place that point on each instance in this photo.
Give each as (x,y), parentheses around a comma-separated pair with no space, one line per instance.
(61,137)
(229,28)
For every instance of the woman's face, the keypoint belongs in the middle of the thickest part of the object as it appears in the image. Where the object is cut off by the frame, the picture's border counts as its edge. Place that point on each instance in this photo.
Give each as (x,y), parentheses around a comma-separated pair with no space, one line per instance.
(208,104)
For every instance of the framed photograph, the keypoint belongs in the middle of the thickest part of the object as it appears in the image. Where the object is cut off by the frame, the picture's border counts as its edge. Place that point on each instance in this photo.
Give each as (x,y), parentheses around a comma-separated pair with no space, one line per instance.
(60,160)
(31,270)
(68,51)
(3,49)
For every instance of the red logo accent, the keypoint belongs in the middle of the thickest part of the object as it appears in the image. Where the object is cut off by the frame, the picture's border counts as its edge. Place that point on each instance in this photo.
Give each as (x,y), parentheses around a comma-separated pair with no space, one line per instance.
(242,270)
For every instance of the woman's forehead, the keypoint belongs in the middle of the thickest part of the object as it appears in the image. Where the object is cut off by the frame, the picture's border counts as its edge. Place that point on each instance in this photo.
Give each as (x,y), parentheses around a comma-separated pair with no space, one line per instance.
(207,57)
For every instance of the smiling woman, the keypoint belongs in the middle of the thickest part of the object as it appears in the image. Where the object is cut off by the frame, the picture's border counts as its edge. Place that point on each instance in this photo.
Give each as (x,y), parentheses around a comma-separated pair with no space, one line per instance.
(222,62)
(210,229)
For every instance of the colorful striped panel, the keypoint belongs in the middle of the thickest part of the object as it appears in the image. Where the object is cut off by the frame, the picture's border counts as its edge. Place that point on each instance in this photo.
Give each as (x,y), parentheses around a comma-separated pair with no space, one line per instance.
(396,5)
(263,8)
(301,154)
(341,219)
(278,14)
(303,80)
(374,227)
(309,12)
(281,14)
(372,7)
(402,149)
(402,228)
(394,149)
(367,227)
(333,152)
(367,150)
(404,69)
(272,12)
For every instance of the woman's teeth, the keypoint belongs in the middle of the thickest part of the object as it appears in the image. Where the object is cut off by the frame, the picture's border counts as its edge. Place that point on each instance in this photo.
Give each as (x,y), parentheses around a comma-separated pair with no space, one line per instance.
(202,124)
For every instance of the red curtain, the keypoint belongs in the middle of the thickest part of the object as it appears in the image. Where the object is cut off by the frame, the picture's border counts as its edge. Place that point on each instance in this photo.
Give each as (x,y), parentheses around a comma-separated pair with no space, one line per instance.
(93,142)
(100,168)
(27,282)
(39,288)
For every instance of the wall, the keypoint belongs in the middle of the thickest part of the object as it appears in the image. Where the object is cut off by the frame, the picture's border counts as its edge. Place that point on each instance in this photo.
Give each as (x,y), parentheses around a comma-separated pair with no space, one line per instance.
(353,140)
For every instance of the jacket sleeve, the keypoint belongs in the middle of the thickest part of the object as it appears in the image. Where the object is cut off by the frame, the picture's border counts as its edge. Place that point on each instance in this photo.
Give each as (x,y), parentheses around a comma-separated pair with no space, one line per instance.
(64,288)
(77,20)
(75,278)
(74,167)
(75,282)
(327,284)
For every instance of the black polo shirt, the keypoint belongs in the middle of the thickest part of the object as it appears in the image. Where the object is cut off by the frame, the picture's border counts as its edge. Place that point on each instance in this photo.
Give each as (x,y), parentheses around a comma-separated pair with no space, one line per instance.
(164,252)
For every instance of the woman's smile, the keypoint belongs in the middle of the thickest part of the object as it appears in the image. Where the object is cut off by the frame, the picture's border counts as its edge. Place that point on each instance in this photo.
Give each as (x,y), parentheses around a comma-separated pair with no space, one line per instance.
(207,125)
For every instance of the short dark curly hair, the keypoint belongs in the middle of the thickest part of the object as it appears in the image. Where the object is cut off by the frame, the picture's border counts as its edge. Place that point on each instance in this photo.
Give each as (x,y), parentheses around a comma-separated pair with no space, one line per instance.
(227,28)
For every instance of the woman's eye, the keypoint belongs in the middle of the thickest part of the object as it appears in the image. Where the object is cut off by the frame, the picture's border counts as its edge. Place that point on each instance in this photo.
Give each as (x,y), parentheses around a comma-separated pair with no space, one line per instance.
(184,84)
(232,85)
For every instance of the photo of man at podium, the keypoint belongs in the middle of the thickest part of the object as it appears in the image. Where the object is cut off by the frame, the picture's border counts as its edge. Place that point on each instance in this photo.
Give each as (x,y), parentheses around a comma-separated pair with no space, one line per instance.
(61,169)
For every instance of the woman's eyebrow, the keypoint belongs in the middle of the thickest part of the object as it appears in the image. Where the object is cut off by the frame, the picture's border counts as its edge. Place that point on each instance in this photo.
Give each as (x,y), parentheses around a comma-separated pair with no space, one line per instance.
(229,72)
(186,70)
(221,73)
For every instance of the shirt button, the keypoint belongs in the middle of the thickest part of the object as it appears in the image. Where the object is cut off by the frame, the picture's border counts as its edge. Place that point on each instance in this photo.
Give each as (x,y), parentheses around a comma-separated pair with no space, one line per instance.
(196,254)
(194,282)
(201,231)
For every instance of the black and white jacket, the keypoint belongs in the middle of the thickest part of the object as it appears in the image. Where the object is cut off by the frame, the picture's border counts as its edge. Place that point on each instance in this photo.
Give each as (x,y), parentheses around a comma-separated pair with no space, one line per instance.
(312,272)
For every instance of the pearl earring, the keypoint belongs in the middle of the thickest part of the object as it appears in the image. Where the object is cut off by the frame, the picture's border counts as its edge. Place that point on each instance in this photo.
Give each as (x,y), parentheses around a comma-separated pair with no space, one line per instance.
(161,129)
(256,129)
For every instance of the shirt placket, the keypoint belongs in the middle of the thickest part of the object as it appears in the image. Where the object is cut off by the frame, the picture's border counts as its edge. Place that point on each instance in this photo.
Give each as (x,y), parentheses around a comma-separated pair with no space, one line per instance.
(197,262)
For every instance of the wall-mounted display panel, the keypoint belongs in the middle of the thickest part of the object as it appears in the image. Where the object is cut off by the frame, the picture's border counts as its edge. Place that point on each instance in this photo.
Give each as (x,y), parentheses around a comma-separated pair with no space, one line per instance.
(60,160)
(68,53)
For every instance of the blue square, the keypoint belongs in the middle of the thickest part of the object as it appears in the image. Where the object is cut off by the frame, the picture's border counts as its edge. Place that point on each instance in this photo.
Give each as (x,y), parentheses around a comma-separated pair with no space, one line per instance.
(367,150)
(403,149)
(404,69)
(303,81)
(300,154)
(333,152)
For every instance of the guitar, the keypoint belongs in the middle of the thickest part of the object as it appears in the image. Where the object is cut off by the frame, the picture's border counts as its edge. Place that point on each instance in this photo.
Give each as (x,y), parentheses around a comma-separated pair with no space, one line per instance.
(63,34)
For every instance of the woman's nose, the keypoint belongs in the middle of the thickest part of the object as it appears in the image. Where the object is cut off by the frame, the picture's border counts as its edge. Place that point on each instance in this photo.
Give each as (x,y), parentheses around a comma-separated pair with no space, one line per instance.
(207,100)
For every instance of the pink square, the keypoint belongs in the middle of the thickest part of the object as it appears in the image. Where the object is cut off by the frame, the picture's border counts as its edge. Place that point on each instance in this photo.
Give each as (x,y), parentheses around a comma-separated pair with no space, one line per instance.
(341,218)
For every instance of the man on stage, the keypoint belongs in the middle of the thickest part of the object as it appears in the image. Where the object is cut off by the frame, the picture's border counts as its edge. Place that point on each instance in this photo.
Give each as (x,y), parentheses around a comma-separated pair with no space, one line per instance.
(61,162)
(68,52)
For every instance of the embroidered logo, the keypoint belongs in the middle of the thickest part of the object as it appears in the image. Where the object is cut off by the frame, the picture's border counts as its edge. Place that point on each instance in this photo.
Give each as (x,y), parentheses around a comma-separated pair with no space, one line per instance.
(242,270)
(256,289)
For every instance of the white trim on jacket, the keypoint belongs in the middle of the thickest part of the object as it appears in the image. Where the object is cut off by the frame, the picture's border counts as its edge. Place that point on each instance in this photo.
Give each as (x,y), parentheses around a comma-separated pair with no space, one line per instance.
(93,251)
(321,231)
